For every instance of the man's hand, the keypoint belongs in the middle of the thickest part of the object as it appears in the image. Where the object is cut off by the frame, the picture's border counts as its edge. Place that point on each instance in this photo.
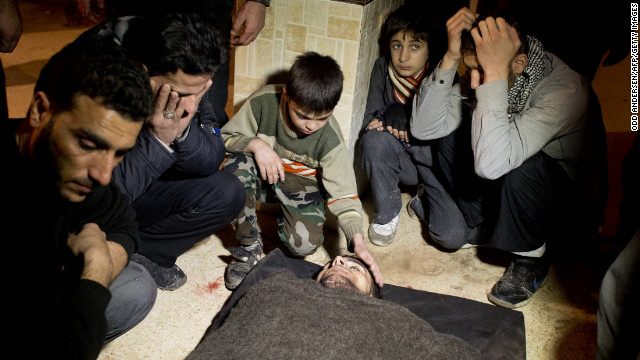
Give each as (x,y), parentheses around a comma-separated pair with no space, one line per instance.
(362,252)
(248,23)
(462,20)
(399,134)
(268,161)
(167,122)
(497,44)
(91,242)
(375,124)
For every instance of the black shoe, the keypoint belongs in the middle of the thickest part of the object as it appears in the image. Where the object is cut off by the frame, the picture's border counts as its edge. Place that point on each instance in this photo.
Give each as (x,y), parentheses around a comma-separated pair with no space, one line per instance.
(522,279)
(244,261)
(415,209)
(241,253)
(166,278)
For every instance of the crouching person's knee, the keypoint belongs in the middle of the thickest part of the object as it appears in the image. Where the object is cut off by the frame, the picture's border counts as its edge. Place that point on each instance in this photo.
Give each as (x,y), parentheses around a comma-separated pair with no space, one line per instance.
(302,240)
(133,294)
(452,238)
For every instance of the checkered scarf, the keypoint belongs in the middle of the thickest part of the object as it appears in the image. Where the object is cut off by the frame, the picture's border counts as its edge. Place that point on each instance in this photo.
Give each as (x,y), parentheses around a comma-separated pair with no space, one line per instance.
(524,84)
(404,88)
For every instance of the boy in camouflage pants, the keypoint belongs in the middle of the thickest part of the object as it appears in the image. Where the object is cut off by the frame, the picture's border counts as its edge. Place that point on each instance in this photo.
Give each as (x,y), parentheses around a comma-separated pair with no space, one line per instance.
(280,142)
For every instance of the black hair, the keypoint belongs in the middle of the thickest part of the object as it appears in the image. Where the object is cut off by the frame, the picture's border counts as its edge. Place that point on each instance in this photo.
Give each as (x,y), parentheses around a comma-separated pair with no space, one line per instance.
(422,24)
(102,71)
(187,42)
(314,82)
(468,45)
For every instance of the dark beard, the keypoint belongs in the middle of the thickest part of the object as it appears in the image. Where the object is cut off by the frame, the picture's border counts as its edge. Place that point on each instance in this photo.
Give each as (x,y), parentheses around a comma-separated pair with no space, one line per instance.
(334,281)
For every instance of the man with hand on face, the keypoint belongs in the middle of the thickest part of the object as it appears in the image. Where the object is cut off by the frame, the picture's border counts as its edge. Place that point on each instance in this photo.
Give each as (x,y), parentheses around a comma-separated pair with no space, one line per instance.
(171,176)
(67,229)
(534,177)
(242,30)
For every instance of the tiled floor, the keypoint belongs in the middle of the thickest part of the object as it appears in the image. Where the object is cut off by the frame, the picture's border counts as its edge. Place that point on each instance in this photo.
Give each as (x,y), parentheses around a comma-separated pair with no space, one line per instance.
(560,321)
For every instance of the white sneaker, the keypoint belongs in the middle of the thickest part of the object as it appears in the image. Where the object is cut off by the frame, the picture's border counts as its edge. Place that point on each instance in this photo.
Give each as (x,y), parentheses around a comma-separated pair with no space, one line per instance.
(383,234)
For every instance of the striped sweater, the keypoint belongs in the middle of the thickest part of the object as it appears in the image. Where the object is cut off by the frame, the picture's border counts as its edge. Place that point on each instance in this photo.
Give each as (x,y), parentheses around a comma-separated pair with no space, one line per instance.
(321,156)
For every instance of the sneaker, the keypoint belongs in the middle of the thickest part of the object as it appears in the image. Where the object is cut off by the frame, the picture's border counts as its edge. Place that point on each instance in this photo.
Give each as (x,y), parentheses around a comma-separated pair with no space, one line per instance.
(522,279)
(166,278)
(383,234)
(245,258)
(415,210)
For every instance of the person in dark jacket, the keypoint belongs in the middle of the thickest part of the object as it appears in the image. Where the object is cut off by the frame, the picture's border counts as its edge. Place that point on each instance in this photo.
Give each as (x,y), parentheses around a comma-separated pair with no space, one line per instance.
(247,23)
(67,229)
(172,175)
(390,156)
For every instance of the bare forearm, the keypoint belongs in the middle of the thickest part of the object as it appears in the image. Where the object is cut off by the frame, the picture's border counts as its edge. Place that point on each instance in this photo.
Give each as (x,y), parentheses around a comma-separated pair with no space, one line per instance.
(119,258)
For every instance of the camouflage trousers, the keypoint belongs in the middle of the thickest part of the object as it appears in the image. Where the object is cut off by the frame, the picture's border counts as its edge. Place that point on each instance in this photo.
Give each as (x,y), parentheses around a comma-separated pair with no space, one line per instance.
(303,207)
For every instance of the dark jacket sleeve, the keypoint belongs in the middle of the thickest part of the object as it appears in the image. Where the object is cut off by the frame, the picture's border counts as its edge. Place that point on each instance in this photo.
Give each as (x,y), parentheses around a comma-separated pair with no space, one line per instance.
(376,98)
(200,154)
(203,151)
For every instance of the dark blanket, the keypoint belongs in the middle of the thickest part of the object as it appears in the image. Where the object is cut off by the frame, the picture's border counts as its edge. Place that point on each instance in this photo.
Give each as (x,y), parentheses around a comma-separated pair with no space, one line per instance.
(286,317)
(497,333)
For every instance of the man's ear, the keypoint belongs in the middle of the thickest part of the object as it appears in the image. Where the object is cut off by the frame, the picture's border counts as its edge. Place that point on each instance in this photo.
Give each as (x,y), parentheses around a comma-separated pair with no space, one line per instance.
(520,63)
(208,85)
(39,110)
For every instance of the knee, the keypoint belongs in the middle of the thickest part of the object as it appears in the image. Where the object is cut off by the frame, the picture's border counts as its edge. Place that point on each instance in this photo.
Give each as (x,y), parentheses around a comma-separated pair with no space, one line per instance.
(374,145)
(142,289)
(450,237)
(533,172)
(222,191)
(303,241)
(133,295)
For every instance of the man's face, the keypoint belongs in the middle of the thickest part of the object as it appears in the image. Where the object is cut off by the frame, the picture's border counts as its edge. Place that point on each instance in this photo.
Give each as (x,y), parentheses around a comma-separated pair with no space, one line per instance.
(471,62)
(408,54)
(305,122)
(190,89)
(348,273)
(84,143)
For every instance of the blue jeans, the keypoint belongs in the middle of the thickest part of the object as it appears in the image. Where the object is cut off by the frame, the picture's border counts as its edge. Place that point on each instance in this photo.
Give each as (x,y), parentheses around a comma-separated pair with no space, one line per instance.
(133,294)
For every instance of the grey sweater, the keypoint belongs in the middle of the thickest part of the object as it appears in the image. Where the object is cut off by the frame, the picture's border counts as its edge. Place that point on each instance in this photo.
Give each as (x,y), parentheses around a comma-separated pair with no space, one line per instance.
(562,118)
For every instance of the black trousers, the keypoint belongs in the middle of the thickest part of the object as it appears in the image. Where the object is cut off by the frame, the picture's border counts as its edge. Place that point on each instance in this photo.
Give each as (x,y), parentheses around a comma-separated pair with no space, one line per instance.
(175,214)
(532,205)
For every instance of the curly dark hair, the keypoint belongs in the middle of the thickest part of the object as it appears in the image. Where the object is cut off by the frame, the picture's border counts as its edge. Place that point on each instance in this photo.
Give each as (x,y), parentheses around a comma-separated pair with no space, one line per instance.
(102,71)
(187,42)
(314,82)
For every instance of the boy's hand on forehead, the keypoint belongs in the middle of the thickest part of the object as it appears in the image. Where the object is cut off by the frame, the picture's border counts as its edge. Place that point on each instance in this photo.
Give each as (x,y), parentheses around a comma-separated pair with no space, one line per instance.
(362,252)
(497,44)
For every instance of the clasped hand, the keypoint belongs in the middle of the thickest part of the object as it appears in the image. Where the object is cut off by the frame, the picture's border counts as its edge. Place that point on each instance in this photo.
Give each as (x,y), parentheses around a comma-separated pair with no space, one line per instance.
(378,125)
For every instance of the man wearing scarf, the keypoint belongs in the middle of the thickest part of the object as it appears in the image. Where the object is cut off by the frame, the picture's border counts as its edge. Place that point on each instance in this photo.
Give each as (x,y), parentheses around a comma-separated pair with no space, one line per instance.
(521,151)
